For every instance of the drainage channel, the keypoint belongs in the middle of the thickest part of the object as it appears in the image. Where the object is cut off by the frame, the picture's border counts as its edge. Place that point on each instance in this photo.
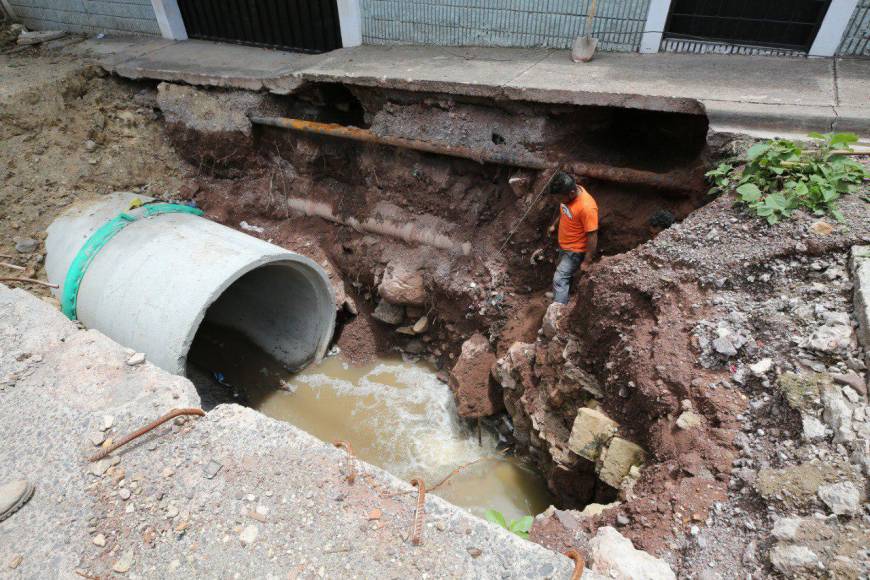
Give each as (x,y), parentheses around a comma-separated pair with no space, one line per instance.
(396,414)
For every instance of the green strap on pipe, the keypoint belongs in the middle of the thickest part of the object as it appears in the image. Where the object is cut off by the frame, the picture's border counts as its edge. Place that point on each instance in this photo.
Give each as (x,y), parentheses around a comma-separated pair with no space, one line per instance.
(89,251)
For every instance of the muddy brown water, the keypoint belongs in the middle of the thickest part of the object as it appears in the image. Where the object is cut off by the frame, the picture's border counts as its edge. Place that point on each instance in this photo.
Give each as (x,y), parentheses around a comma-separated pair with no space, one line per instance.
(396,414)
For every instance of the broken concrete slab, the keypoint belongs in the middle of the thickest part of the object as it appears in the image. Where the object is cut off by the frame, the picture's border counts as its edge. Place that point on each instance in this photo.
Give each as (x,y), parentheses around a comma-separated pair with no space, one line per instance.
(200,474)
(220,65)
(591,433)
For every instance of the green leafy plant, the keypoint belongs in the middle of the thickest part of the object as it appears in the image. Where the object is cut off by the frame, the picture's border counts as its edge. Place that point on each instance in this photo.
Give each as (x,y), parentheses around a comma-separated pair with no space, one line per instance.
(519,527)
(779,176)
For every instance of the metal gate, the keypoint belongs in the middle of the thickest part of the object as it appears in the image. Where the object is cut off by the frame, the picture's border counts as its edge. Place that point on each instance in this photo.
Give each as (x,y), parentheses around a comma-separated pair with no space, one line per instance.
(789,24)
(299,25)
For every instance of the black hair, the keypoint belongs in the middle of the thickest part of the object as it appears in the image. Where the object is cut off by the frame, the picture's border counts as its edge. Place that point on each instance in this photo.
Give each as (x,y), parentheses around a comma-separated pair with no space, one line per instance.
(662,219)
(562,183)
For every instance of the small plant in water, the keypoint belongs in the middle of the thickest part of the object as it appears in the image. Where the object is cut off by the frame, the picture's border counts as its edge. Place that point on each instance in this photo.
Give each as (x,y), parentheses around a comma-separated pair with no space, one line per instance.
(780,177)
(519,527)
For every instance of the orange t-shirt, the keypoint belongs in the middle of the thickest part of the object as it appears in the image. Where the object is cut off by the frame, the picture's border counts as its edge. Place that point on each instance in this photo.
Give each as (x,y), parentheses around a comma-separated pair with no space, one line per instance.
(577,219)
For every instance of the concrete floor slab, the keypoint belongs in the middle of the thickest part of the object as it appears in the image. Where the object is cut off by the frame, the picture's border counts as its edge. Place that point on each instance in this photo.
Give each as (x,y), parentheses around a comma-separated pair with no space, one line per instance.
(787,121)
(112,50)
(479,71)
(749,94)
(748,79)
(853,83)
(214,64)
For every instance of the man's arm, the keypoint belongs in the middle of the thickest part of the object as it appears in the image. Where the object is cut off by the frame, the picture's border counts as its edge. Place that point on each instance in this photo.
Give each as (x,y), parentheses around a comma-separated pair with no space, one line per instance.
(591,249)
(552,228)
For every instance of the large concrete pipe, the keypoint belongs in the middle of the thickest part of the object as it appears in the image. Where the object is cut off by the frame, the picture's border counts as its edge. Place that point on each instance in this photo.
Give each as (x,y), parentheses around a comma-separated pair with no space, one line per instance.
(147,277)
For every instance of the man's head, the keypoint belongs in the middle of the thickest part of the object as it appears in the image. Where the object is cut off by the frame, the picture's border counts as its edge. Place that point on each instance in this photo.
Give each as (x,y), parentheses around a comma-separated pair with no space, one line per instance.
(563,187)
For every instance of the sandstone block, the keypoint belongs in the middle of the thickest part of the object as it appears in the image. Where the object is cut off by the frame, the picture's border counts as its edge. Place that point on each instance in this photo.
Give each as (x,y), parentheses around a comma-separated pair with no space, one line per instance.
(618,459)
(591,433)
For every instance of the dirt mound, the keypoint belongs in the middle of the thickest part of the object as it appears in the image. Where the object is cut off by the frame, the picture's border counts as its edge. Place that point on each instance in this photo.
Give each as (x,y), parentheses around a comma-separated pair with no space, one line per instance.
(68,132)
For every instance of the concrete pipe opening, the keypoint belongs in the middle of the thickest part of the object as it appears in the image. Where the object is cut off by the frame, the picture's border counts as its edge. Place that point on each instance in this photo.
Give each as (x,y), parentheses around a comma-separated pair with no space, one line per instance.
(154,282)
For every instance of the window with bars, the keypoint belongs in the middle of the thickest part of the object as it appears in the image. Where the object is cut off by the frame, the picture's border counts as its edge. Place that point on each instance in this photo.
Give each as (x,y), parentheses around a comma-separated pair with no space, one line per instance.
(776,23)
(298,25)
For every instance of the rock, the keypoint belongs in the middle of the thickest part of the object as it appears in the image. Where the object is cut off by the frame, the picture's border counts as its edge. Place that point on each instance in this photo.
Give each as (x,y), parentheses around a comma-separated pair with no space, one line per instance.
(514,369)
(475,391)
(723,346)
(124,494)
(822,228)
(406,330)
(851,395)
(211,469)
(550,323)
(96,438)
(90,145)
(15,561)
(389,313)
(108,421)
(786,528)
(837,413)
(591,433)
(688,420)
(413,347)
(27,38)
(860,266)
(249,535)
(255,229)
(99,540)
(618,459)
(813,429)
(124,563)
(137,359)
(799,483)
(802,392)
(474,552)
(421,326)
(592,510)
(402,285)
(830,338)
(26,246)
(172,512)
(851,379)
(843,498)
(762,367)
(790,560)
(614,556)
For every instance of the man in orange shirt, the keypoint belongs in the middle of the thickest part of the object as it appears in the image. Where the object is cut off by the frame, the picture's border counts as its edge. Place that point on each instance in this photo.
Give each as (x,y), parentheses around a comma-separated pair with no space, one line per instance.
(578,232)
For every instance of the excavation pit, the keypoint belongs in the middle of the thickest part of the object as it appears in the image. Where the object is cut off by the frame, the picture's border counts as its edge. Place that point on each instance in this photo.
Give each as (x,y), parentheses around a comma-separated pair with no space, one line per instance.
(396,414)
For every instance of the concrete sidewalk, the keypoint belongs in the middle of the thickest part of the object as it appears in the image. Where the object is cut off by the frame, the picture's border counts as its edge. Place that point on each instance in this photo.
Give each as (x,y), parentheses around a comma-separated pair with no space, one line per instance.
(758,95)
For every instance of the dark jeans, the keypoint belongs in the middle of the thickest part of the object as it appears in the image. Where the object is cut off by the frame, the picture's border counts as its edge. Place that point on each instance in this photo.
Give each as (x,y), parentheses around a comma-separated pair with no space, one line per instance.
(566,267)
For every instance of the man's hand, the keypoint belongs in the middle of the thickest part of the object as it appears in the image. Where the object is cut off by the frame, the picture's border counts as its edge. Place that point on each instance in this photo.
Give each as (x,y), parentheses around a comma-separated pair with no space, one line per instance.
(585,266)
(551,230)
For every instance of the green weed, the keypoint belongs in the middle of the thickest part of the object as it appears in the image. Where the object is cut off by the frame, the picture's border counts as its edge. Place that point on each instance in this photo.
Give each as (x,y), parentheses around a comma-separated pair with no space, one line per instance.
(778,176)
(519,527)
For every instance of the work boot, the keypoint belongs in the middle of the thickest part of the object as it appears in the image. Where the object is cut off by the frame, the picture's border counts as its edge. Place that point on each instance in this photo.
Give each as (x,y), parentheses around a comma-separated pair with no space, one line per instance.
(13,495)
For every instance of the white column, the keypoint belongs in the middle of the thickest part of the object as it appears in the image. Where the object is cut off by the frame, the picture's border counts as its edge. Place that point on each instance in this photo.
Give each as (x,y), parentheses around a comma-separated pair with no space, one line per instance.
(833,26)
(169,19)
(656,19)
(350,21)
